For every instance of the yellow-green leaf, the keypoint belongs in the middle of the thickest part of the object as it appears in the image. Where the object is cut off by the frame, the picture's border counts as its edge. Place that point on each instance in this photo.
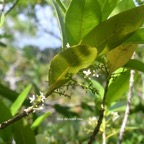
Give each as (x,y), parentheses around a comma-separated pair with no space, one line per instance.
(69,62)
(120,56)
(2,19)
(114,31)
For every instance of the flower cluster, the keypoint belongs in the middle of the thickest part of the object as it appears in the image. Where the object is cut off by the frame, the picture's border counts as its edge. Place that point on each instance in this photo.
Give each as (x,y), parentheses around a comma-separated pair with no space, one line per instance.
(37,101)
(90,73)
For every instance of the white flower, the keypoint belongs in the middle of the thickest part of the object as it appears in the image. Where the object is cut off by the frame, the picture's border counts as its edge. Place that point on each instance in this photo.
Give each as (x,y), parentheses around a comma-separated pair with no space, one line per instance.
(32,99)
(37,101)
(42,97)
(87,73)
(67,45)
(95,74)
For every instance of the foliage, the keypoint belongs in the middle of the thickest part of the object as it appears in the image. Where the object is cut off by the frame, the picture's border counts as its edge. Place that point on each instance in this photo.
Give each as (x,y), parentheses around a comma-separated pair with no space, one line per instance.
(88,81)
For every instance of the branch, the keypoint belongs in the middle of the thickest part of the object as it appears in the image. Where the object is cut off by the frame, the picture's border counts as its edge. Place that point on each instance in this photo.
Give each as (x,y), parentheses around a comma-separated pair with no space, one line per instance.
(26,112)
(96,130)
(37,101)
(127,111)
(12,7)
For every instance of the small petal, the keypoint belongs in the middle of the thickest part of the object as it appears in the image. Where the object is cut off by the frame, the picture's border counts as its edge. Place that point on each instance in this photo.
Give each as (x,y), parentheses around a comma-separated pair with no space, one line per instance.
(42,97)
(32,99)
(87,73)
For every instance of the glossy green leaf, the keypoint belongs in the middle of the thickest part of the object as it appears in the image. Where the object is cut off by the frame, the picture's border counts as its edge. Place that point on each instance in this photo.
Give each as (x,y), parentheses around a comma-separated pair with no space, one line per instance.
(81,17)
(119,56)
(39,120)
(112,32)
(123,6)
(107,7)
(23,133)
(20,99)
(135,65)
(60,18)
(5,134)
(68,63)
(118,87)
(137,37)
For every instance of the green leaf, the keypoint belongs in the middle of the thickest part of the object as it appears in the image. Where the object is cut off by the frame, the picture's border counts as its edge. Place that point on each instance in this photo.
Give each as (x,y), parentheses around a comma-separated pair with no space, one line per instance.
(123,6)
(112,32)
(118,87)
(60,18)
(5,134)
(99,87)
(68,63)
(117,107)
(137,37)
(119,56)
(2,19)
(81,17)
(8,93)
(107,7)
(135,65)
(39,120)
(61,5)
(23,134)
(19,101)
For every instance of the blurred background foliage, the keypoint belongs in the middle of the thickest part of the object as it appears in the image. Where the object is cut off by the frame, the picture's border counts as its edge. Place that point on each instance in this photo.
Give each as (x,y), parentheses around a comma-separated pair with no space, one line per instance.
(30,37)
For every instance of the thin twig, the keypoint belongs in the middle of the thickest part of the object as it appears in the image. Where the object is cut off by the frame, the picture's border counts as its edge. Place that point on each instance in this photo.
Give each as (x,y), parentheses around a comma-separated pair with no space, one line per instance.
(26,112)
(12,7)
(96,130)
(122,130)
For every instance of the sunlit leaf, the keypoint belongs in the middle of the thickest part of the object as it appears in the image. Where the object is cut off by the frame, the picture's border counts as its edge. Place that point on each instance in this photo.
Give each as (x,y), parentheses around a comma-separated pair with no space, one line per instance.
(118,87)
(61,5)
(68,63)
(39,120)
(112,32)
(2,19)
(135,65)
(81,17)
(107,6)
(119,56)
(99,87)
(20,99)
(123,6)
